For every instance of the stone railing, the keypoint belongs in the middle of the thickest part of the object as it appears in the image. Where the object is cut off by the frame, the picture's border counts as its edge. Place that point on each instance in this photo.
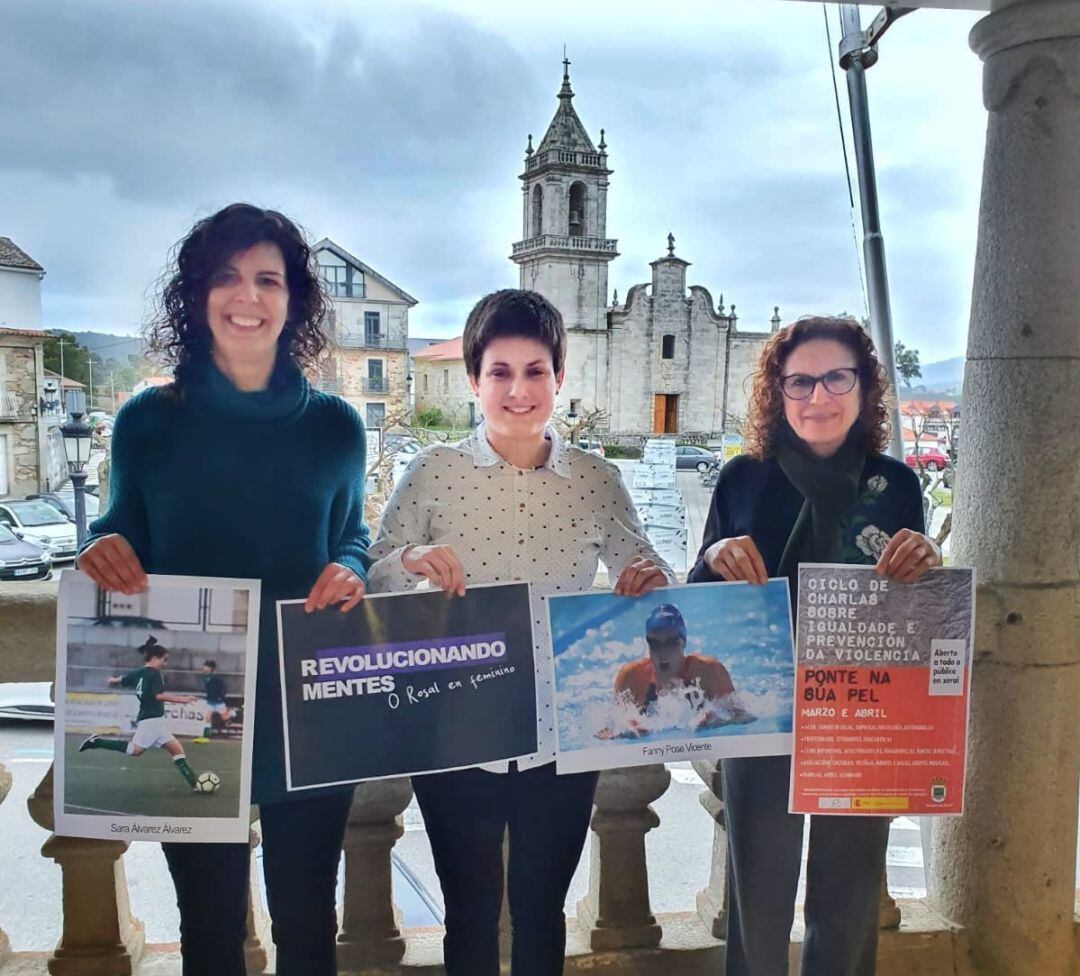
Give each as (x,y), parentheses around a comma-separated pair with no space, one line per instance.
(565,157)
(565,242)
(615,924)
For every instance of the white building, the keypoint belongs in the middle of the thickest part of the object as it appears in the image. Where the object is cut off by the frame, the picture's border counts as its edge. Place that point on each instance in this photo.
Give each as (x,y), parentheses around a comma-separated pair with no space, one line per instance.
(20,287)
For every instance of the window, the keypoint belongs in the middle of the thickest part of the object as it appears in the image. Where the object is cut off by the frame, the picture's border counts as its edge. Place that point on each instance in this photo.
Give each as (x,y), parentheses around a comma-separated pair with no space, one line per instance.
(425,382)
(342,281)
(446,380)
(537,210)
(376,382)
(375,415)
(4,486)
(577,210)
(667,350)
(373,329)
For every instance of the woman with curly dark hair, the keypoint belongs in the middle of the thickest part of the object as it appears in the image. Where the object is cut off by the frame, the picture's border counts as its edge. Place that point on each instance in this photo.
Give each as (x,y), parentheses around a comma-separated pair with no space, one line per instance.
(240,469)
(813,486)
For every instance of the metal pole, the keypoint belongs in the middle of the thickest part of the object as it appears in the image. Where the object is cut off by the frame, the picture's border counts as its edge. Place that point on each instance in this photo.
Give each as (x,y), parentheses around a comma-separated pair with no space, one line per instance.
(63,395)
(856,55)
(78,483)
(90,395)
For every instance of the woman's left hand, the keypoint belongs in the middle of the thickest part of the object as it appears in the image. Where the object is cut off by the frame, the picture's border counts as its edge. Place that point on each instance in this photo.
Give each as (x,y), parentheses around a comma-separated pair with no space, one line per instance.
(336,584)
(907,556)
(638,577)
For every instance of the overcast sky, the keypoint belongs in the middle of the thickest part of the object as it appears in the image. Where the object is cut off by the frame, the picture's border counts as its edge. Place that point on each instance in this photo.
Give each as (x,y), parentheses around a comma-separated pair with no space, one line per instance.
(399,131)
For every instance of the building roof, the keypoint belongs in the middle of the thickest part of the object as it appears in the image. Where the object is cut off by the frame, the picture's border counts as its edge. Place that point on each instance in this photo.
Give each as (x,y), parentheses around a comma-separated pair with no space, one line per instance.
(68,384)
(329,245)
(920,407)
(440,352)
(29,333)
(566,130)
(13,256)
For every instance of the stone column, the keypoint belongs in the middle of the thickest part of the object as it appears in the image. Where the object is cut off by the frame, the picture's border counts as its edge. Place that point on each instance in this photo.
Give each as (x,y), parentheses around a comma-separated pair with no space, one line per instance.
(888,910)
(616,909)
(1005,870)
(255,957)
(5,786)
(99,937)
(371,926)
(712,901)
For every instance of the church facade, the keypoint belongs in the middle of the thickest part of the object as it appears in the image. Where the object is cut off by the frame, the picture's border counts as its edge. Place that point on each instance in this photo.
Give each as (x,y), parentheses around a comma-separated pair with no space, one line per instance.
(667,360)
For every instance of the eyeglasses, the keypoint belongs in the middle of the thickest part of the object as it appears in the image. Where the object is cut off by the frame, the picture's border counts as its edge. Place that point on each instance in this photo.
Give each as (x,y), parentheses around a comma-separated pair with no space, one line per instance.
(800,386)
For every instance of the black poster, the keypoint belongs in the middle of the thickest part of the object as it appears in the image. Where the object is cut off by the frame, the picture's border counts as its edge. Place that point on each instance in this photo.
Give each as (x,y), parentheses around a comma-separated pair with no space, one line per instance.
(406,683)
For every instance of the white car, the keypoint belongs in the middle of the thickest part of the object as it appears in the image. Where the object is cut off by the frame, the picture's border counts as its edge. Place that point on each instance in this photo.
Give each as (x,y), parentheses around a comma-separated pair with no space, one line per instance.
(37,521)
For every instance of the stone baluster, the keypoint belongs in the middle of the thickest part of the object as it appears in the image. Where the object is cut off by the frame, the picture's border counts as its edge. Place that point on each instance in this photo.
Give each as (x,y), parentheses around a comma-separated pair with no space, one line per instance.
(371,929)
(255,957)
(5,786)
(712,901)
(100,937)
(616,909)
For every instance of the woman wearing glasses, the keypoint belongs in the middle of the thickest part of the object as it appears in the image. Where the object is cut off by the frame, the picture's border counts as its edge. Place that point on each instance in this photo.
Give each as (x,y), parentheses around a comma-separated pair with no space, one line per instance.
(813,486)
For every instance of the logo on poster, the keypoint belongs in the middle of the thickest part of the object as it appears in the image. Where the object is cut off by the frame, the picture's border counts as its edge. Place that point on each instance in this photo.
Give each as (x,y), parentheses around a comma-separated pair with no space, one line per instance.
(937,790)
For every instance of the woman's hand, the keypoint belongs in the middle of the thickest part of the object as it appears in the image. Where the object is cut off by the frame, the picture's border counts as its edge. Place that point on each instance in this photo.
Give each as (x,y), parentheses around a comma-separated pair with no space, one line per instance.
(439,564)
(112,564)
(736,560)
(907,556)
(638,577)
(336,584)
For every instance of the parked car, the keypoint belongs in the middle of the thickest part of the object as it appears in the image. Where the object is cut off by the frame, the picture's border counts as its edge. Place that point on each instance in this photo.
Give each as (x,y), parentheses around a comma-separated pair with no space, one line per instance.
(63,500)
(593,447)
(22,559)
(690,457)
(37,521)
(26,700)
(930,458)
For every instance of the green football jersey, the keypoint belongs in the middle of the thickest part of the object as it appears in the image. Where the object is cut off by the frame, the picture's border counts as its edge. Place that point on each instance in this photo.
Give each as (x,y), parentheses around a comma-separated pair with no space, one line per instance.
(148,684)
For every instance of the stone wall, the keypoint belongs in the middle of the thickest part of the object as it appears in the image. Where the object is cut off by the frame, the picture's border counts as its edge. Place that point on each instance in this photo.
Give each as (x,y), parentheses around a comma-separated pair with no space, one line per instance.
(454,400)
(20,431)
(352,371)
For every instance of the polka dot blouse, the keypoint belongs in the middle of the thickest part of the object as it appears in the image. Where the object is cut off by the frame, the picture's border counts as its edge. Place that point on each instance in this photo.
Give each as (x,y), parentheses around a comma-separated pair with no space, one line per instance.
(549,526)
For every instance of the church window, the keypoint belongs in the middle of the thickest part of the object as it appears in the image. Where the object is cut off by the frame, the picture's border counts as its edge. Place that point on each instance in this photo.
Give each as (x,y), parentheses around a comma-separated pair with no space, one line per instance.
(537,210)
(667,347)
(577,210)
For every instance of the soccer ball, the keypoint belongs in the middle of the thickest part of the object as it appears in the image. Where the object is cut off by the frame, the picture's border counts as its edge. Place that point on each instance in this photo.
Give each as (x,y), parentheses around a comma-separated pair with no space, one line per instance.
(207,782)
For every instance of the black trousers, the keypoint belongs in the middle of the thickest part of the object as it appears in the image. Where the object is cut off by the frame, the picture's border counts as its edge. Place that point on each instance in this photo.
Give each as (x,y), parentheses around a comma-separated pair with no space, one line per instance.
(844,872)
(301,843)
(466,813)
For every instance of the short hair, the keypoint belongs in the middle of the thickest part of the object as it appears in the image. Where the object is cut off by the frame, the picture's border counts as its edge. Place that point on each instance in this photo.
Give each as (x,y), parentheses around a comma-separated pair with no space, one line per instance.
(179,335)
(212,665)
(151,649)
(765,413)
(513,312)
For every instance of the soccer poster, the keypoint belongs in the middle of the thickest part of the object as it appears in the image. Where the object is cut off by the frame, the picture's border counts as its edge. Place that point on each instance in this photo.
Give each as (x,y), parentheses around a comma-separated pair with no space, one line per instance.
(413,682)
(154,695)
(883,672)
(684,672)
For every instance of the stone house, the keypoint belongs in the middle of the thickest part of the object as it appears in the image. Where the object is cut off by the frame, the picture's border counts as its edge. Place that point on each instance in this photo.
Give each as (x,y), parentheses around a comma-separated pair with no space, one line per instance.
(666,361)
(23,429)
(440,383)
(369,330)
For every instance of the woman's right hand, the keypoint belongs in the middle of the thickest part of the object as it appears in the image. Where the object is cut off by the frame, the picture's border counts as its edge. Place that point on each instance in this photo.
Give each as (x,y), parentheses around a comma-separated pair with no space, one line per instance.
(736,560)
(112,564)
(439,564)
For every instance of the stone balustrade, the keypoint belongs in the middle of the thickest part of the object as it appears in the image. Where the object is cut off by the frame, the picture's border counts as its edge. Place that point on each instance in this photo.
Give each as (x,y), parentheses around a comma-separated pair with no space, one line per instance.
(615,926)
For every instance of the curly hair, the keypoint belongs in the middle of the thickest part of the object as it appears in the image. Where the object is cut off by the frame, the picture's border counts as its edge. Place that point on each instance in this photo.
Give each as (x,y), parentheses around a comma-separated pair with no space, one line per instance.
(178,334)
(766,407)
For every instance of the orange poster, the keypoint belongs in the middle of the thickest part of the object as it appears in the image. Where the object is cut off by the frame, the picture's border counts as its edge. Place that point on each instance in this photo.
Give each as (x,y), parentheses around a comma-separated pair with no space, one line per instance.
(882,679)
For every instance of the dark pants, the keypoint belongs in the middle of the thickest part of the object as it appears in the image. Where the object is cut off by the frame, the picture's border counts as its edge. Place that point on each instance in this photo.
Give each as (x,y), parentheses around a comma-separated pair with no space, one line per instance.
(301,843)
(844,872)
(466,813)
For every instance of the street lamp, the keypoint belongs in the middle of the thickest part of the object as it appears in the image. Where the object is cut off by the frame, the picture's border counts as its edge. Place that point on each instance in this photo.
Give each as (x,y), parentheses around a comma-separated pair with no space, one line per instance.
(77,435)
(572,422)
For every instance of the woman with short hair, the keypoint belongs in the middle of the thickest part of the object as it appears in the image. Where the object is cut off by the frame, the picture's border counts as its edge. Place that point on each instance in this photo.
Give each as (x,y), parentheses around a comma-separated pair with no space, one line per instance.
(239,469)
(511,502)
(813,486)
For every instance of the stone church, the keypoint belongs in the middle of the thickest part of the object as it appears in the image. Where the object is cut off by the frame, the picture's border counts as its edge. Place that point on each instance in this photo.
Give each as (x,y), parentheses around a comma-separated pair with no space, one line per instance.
(665,361)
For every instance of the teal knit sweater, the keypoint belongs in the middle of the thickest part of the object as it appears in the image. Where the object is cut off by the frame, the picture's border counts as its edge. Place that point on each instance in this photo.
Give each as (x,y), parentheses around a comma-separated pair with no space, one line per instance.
(266,485)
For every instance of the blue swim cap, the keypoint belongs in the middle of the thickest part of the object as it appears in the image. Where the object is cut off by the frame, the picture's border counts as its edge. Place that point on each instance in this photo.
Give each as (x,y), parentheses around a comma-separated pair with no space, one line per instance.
(668,618)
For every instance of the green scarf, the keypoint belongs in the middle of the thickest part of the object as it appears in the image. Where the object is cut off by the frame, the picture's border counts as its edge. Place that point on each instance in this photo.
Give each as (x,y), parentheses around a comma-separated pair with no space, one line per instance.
(829,486)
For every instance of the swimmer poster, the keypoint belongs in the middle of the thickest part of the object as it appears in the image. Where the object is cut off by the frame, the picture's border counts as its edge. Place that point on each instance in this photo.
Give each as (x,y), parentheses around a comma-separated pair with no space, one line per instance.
(155,696)
(415,682)
(883,673)
(684,672)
